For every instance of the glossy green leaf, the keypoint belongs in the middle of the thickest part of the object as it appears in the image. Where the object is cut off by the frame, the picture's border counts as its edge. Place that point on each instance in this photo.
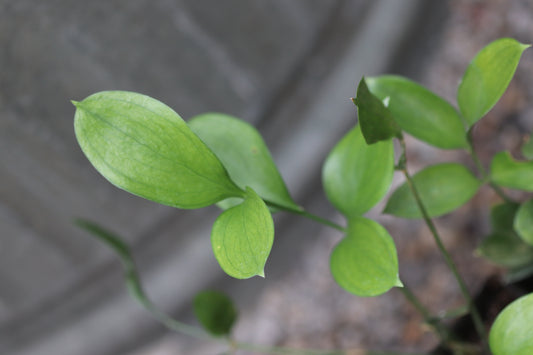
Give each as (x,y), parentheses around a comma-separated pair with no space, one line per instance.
(527,148)
(244,154)
(511,332)
(420,112)
(355,175)
(442,189)
(242,237)
(523,222)
(507,172)
(503,246)
(377,122)
(215,312)
(365,262)
(487,76)
(142,146)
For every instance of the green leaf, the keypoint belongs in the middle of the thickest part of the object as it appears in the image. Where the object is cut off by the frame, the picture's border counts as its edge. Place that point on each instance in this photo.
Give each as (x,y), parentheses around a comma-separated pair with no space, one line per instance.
(365,262)
(215,312)
(511,331)
(527,148)
(242,237)
(377,122)
(355,175)
(506,249)
(142,146)
(487,76)
(503,246)
(523,222)
(442,189)
(242,151)
(420,112)
(502,216)
(505,171)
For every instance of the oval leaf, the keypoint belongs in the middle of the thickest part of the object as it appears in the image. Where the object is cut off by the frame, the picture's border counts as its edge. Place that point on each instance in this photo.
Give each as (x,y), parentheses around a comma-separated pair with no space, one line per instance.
(365,262)
(487,76)
(356,175)
(505,171)
(511,331)
(523,222)
(142,146)
(215,312)
(442,189)
(504,247)
(377,122)
(244,154)
(242,237)
(420,112)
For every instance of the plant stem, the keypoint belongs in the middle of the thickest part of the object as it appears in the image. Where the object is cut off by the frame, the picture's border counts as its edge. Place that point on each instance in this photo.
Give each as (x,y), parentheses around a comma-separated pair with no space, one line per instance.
(304,213)
(478,323)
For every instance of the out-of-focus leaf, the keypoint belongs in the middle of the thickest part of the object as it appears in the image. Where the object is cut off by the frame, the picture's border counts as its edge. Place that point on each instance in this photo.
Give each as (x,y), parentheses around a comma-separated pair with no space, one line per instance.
(377,122)
(507,172)
(420,112)
(356,175)
(503,246)
(523,222)
(215,312)
(242,237)
(487,77)
(244,154)
(365,262)
(142,146)
(442,189)
(511,331)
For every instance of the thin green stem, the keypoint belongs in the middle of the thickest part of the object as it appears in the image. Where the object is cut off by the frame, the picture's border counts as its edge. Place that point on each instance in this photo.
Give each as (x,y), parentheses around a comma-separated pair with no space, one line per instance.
(428,319)
(304,213)
(478,323)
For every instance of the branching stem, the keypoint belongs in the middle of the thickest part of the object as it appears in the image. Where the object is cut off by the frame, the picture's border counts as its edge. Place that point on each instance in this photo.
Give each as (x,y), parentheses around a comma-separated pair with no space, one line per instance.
(476,317)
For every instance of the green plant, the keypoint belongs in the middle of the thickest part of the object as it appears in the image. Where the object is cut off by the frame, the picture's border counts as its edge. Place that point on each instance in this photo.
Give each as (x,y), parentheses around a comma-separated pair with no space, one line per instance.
(144,147)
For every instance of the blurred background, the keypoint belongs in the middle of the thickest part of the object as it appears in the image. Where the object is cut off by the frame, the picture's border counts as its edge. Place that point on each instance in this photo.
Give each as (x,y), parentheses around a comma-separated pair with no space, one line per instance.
(289,68)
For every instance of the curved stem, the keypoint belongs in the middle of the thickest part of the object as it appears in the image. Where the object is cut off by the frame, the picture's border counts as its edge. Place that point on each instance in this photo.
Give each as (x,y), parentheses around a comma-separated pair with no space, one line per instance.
(476,317)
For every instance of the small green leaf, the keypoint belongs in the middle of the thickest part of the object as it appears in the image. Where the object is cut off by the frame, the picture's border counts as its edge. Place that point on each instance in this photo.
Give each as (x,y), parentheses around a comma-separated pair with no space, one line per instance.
(527,148)
(420,112)
(356,175)
(242,237)
(511,331)
(244,154)
(365,262)
(507,172)
(377,122)
(215,312)
(503,246)
(442,189)
(506,249)
(502,216)
(142,146)
(523,222)
(487,77)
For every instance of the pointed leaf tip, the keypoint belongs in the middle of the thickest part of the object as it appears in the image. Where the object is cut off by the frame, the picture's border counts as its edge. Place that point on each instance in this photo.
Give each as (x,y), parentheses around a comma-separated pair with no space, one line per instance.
(262,274)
